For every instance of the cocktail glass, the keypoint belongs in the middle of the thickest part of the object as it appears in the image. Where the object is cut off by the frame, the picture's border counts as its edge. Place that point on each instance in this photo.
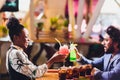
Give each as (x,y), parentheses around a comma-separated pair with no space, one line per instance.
(64,50)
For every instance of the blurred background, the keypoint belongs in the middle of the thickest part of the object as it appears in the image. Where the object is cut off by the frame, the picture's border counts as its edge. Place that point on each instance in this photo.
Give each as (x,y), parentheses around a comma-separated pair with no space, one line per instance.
(79,21)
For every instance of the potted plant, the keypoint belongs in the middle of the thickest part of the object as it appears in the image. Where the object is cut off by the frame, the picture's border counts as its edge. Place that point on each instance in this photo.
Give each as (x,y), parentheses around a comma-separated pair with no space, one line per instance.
(54,23)
(39,28)
(66,22)
(3,31)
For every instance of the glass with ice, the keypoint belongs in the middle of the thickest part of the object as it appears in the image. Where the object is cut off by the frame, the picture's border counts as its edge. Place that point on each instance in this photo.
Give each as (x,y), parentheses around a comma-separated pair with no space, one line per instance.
(63,50)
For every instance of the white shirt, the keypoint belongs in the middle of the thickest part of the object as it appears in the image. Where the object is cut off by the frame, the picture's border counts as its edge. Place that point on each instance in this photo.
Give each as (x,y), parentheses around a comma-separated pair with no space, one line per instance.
(19,62)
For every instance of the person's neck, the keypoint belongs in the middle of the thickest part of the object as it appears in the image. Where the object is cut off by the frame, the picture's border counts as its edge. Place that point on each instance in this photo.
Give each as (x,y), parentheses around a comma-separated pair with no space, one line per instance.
(17,44)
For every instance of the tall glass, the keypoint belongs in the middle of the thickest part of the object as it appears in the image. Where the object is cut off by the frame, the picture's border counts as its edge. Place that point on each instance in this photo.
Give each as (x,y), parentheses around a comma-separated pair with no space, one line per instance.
(73,51)
(64,50)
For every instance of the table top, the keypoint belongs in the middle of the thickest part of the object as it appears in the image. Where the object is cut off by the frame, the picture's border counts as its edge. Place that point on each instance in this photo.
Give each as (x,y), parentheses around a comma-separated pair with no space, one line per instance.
(52,74)
(49,76)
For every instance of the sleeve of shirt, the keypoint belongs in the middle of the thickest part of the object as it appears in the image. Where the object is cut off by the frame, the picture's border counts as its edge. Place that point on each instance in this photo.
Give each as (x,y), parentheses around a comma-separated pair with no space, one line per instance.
(84,60)
(108,75)
(20,63)
(98,63)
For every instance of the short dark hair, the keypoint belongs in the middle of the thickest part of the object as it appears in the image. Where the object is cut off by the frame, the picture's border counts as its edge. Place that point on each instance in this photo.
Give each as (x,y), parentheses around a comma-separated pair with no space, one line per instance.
(114,33)
(14,27)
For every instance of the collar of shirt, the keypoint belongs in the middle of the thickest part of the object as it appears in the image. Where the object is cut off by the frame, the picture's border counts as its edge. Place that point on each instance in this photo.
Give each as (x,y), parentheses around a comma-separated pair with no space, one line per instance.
(17,47)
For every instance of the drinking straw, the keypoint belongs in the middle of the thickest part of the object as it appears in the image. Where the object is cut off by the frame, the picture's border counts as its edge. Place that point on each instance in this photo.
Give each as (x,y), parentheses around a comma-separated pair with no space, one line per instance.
(58,41)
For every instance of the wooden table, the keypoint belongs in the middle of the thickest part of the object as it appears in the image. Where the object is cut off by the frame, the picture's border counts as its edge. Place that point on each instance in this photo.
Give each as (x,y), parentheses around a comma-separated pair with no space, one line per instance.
(53,75)
(49,76)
